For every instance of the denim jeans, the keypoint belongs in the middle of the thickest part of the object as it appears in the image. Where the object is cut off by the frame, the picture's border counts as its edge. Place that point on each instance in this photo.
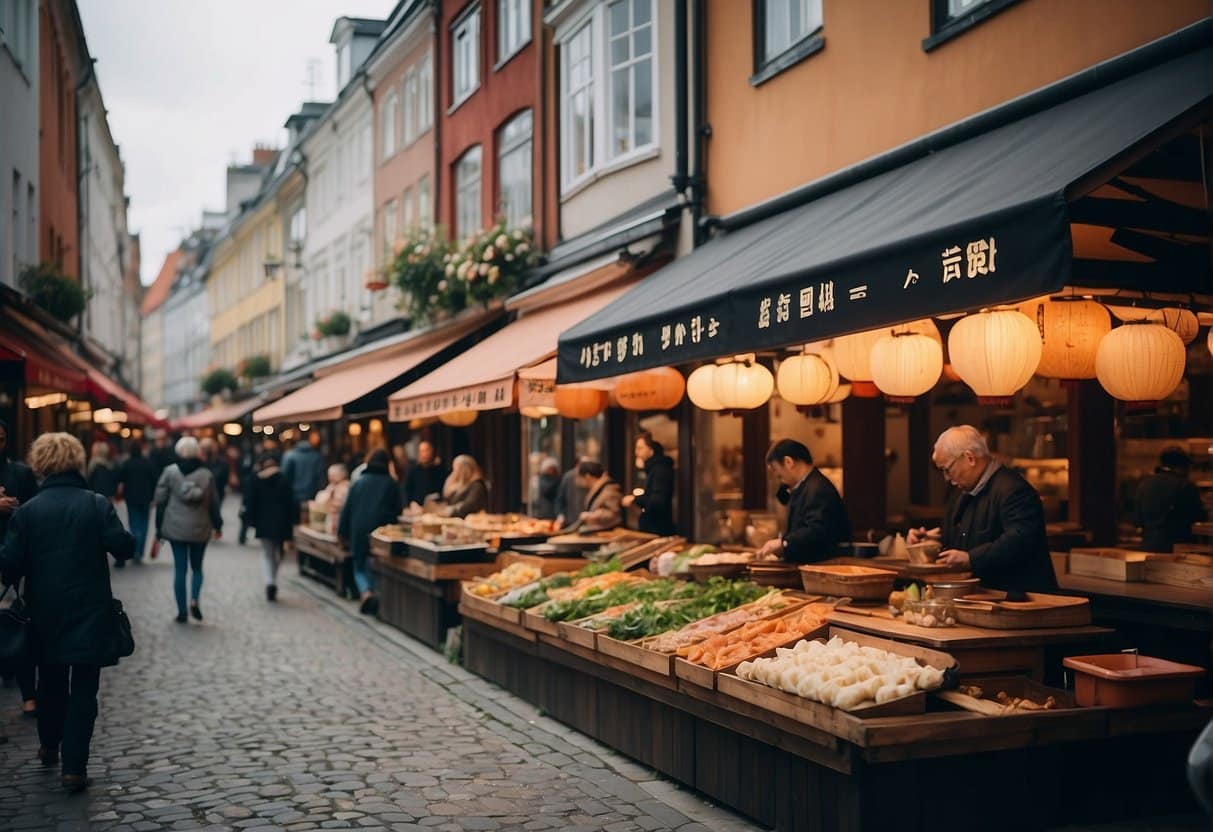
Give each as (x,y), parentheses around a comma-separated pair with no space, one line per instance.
(364,579)
(187,554)
(67,711)
(139,517)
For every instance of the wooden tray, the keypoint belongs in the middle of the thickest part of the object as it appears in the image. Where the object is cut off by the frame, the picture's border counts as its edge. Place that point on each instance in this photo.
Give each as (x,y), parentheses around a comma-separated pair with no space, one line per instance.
(1015,686)
(581,636)
(533,620)
(1180,570)
(488,607)
(1108,563)
(387,547)
(634,653)
(642,553)
(990,609)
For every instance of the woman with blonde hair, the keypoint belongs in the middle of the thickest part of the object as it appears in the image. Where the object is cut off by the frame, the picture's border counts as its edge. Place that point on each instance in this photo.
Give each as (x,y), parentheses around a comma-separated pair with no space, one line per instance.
(465,490)
(187,514)
(58,543)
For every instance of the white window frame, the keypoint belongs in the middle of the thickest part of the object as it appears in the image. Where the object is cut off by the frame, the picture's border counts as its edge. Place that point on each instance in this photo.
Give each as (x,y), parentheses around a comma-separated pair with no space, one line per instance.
(602,161)
(425,94)
(508,146)
(407,219)
(388,123)
(464,189)
(513,28)
(365,141)
(410,106)
(464,84)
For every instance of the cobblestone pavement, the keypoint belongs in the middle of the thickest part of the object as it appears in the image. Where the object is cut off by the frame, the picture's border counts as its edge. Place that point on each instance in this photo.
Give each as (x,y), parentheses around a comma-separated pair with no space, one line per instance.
(301,715)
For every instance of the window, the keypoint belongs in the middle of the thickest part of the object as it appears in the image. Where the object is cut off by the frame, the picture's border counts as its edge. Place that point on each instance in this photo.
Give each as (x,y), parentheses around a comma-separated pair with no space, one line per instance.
(467,194)
(16,30)
(785,33)
(407,218)
(425,94)
(298,229)
(950,18)
(609,94)
(465,56)
(514,170)
(410,106)
(513,27)
(387,128)
(390,231)
(423,202)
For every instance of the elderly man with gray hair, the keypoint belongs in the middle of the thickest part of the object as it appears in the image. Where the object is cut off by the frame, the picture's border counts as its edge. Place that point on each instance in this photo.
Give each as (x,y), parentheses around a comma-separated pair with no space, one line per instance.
(995,524)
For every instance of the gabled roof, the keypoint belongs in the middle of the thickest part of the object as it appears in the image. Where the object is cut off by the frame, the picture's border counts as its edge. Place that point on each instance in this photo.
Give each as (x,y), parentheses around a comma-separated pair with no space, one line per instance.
(158,291)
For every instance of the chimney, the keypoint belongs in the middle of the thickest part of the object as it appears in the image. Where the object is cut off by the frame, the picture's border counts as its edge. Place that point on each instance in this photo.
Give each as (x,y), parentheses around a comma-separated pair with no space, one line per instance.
(264,155)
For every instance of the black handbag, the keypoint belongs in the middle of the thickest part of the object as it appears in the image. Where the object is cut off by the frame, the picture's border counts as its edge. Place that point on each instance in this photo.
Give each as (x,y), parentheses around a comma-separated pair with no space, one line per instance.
(15,637)
(124,639)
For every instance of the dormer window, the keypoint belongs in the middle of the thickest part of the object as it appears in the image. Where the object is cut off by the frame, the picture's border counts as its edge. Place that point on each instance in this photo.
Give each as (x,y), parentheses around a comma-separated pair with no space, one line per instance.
(344,64)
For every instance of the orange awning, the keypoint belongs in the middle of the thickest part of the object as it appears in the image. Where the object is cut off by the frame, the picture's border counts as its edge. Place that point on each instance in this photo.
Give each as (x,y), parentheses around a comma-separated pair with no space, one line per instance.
(221,415)
(482,378)
(325,398)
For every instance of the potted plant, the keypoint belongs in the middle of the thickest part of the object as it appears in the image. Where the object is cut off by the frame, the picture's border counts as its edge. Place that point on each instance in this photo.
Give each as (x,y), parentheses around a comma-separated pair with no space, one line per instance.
(255,367)
(333,329)
(417,269)
(53,291)
(218,381)
(492,264)
(374,280)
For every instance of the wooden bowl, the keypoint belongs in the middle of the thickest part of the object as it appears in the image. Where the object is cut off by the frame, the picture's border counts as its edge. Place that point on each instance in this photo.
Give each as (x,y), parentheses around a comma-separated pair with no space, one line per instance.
(861,583)
(925,552)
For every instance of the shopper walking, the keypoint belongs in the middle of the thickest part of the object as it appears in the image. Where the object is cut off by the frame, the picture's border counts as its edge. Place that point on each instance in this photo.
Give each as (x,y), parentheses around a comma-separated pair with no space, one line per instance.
(215,461)
(137,476)
(187,514)
(304,468)
(374,501)
(17,487)
(58,542)
(270,510)
(102,477)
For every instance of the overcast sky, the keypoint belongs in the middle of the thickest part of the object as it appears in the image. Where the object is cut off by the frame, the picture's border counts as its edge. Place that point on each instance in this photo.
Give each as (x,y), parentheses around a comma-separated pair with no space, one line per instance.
(192,85)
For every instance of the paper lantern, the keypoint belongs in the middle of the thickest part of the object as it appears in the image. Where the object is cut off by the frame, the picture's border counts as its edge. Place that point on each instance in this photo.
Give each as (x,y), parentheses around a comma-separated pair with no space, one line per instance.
(537,412)
(743,384)
(1140,363)
(700,388)
(843,391)
(995,353)
(580,402)
(806,379)
(458,418)
(1183,322)
(659,389)
(1070,332)
(906,365)
(853,353)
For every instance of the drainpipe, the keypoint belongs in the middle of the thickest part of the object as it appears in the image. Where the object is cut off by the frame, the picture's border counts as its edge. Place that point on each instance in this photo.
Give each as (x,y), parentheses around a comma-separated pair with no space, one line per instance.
(703,130)
(439,111)
(680,95)
(81,177)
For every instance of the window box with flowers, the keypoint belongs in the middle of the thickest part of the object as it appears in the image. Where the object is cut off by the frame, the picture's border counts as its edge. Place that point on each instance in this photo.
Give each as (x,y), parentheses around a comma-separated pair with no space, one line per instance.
(335,325)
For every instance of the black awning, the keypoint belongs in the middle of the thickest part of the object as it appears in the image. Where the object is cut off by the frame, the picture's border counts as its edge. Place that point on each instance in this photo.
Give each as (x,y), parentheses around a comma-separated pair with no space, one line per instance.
(979,223)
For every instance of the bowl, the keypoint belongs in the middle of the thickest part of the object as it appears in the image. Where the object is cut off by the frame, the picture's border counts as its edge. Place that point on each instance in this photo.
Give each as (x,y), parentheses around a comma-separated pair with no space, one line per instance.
(783,575)
(930,614)
(952,589)
(924,552)
(860,583)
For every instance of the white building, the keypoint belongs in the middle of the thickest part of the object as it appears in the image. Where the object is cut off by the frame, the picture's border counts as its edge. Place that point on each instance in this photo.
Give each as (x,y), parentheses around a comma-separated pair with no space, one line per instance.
(185,324)
(340,189)
(18,137)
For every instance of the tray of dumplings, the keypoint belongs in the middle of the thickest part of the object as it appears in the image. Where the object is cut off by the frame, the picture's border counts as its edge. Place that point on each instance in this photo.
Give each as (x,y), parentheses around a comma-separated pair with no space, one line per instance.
(862,675)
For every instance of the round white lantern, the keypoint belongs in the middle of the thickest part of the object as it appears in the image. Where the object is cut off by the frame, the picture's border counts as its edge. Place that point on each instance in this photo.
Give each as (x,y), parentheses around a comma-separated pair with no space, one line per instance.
(843,391)
(1140,363)
(701,388)
(906,365)
(743,384)
(1070,332)
(853,353)
(806,379)
(1183,322)
(995,353)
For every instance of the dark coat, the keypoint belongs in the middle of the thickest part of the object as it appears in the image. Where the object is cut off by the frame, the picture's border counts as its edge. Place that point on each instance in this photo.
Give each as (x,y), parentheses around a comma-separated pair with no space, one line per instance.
(373,501)
(305,470)
(58,542)
(222,472)
(18,481)
(657,501)
(269,505)
(472,498)
(163,458)
(1167,505)
(423,480)
(570,497)
(545,500)
(817,521)
(103,478)
(138,476)
(1003,530)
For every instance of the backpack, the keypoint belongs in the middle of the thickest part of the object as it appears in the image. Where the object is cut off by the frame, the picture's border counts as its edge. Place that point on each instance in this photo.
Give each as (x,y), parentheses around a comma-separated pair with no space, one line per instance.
(190,490)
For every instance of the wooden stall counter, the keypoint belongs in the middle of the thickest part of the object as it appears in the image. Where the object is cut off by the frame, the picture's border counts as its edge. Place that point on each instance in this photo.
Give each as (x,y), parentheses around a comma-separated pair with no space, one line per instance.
(321,556)
(422,599)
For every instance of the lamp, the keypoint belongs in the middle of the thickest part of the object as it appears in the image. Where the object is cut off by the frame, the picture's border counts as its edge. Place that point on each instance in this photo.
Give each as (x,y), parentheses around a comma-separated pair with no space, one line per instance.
(271,267)
(1140,362)
(1183,322)
(659,389)
(700,388)
(995,353)
(743,384)
(905,365)
(578,402)
(807,379)
(458,418)
(1070,332)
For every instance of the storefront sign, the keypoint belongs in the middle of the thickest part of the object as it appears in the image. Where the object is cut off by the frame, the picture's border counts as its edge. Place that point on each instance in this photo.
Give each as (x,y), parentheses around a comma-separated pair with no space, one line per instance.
(494,395)
(536,392)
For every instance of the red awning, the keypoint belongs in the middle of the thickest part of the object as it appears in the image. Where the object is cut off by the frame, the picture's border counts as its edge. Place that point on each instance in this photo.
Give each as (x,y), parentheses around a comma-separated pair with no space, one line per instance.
(43,372)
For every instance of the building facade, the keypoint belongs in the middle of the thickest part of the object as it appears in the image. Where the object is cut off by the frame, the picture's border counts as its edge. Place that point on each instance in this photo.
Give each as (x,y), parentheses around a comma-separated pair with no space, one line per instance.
(186,342)
(151,330)
(19,89)
(291,196)
(64,65)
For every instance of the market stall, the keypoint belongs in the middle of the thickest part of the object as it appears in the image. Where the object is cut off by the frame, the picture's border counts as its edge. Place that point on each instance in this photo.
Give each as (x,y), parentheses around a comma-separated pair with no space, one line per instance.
(323,557)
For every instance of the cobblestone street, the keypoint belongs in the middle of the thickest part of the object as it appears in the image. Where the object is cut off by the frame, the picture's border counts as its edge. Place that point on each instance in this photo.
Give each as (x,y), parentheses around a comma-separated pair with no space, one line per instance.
(300,715)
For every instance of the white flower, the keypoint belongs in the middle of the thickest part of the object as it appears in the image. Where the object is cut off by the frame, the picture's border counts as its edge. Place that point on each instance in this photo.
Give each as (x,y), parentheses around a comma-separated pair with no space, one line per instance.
(463,271)
(419,248)
(484,269)
(450,271)
(441,285)
(509,258)
(502,241)
(489,254)
(523,248)
(494,275)
(518,234)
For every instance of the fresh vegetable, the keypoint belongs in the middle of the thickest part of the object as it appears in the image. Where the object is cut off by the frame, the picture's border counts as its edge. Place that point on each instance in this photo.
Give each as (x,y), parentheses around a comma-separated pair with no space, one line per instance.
(595,602)
(513,576)
(697,601)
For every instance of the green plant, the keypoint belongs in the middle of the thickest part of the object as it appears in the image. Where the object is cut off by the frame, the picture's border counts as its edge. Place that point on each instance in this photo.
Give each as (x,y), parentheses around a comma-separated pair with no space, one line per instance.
(418,270)
(492,264)
(54,291)
(255,366)
(218,380)
(338,323)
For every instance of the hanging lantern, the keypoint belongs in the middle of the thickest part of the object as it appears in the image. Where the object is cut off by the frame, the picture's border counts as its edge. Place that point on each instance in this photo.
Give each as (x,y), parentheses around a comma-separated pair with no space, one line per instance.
(1141,363)
(1070,331)
(373,280)
(843,391)
(906,365)
(580,402)
(743,384)
(659,389)
(700,388)
(414,424)
(1183,322)
(458,418)
(536,412)
(806,379)
(995,353)
(853,353)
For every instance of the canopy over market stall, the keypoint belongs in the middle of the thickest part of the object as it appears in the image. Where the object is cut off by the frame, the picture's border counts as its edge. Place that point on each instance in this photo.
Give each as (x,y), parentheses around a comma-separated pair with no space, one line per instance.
(998,209)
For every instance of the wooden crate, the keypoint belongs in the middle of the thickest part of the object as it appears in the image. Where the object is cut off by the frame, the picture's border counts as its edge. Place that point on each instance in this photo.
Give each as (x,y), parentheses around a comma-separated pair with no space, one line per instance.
(534,621)
(582,636)
(633,652)
(1185,569)
(1108,563)
(1014,686)
(488,607)
(705,677)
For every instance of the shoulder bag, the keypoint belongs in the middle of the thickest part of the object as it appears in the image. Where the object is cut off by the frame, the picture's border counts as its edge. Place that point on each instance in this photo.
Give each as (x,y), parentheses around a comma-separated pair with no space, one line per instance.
(15,635)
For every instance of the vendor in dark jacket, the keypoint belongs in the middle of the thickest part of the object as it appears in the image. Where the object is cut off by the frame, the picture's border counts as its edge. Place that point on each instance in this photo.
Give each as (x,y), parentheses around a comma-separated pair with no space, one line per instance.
(817,519)
(426,476)
(374,501)
(656,499)
(1168,503)
(995,524)
(58,543)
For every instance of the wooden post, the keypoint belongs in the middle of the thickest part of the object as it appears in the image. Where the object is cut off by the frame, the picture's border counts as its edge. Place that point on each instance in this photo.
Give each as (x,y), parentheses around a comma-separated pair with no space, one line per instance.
(921,445)
(1091,440)
(865,484)
(684,477)
(755,442)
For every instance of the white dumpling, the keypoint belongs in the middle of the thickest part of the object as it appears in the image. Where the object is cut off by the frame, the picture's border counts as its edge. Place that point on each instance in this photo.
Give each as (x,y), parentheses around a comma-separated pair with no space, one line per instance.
(930,678)
(809,686)
(745,670)
(904,690)
(828,691)
(885,693)
(849,697)
(871,686)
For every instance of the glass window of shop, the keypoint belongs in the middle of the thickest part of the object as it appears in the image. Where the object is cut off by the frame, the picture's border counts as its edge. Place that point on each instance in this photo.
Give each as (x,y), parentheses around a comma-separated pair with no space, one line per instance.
(718,461)
(540,450)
